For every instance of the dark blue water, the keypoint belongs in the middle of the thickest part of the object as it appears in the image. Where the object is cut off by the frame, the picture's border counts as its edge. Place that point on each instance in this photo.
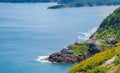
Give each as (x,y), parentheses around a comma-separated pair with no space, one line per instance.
(31,30)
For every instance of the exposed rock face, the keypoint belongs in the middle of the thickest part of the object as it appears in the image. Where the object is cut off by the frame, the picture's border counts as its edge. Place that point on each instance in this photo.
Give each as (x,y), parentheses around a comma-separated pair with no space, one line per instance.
(62,58)
(66,54)
(109,61)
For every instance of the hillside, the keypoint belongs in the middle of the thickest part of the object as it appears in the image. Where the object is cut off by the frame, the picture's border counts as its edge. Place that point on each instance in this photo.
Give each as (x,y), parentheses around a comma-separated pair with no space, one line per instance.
(79,3)
(108,33)
(90,2)
(94,64)
(107,36)
(110,27)
(29,1)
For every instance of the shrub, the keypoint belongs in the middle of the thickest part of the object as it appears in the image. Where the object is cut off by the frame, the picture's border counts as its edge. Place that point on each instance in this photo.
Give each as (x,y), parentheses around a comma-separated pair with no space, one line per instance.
(98,70)
(82,49)
(117,60)
(95,61)
(118,69)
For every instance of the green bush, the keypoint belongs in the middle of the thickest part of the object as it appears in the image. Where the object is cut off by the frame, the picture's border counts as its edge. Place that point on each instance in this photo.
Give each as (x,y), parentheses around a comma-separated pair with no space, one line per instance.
(109,27)
(98,70)
(117,60)
(82,49)
(118,69)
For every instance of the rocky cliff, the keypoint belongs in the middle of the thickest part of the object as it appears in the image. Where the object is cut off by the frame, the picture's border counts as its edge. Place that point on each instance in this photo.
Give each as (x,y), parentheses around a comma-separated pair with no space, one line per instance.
(107,61)
(107,36)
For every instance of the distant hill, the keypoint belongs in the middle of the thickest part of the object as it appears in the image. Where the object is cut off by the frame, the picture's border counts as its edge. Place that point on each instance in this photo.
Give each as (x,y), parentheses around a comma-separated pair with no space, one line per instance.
(89,2)
(29,1)
(79,3)
(107,61)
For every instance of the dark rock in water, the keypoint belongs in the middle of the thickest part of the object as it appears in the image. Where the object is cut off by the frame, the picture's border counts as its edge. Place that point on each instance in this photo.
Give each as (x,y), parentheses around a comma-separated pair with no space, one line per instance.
(62,58)
(56,6)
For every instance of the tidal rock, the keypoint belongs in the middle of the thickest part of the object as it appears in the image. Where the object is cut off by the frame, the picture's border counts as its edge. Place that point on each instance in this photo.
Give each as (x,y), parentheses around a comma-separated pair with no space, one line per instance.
(62,58)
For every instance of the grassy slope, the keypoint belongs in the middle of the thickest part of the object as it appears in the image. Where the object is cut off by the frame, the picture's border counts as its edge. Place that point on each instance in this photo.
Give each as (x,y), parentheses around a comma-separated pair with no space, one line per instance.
(95,61)
(110,27)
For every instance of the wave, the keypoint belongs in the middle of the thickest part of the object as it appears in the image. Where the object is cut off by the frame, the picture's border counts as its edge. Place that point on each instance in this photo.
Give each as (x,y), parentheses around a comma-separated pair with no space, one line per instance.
(86,35)
(43,59)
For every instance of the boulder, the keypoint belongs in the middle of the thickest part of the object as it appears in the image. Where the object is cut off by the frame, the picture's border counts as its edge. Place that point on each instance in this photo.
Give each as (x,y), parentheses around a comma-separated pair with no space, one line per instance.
(62,58)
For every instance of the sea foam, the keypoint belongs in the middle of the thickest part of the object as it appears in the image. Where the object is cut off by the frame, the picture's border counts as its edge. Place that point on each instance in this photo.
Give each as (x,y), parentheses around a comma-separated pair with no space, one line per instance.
(43,59)
(86,35)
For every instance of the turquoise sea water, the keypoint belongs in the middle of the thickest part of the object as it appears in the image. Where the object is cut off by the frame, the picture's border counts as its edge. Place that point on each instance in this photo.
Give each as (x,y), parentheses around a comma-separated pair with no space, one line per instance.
(30,30)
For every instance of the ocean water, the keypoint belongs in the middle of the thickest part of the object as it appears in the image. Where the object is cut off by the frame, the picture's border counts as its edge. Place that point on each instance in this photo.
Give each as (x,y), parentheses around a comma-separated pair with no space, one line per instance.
(29,31)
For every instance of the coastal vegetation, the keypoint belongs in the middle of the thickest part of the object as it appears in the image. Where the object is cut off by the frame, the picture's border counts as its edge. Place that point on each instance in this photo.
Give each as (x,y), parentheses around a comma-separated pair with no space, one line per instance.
(101,52)
(69,3)
(92,63)
(109,28)
(27,1)
(83,49)
(108,34)
(106,37)
(89,2)
(79,3)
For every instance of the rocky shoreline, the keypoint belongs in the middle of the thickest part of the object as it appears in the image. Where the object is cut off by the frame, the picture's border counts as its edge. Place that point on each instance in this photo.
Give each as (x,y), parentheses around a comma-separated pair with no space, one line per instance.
(67,55)
(60,57)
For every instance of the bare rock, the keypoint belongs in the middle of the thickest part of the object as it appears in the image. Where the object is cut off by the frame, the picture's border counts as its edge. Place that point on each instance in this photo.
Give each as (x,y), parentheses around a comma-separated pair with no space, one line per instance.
(62,58)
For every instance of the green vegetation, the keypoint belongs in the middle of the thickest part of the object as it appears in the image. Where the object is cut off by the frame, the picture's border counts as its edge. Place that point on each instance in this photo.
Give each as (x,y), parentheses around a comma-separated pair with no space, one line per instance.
(95,61)
(110,27)
(98,69)
(108,34)
(29,1)
(113,67)
(90,2)
(79,3)
(118,69)
(117,60)
(83,49)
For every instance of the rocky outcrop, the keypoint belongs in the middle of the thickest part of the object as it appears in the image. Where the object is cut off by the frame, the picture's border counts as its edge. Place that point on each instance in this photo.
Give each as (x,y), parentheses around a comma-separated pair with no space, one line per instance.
(66,55)
(109,61)
(62,58)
